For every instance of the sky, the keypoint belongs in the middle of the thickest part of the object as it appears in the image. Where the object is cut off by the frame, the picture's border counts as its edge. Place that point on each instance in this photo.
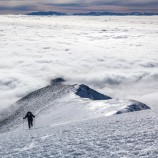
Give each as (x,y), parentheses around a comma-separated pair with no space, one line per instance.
(71,6)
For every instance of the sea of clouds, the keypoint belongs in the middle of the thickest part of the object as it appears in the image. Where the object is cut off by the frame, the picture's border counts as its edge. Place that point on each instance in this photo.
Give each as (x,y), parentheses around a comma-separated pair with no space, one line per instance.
(114,55)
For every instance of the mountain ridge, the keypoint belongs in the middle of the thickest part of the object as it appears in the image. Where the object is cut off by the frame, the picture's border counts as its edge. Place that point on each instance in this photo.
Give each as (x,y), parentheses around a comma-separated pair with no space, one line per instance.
(53,13)
(60,103)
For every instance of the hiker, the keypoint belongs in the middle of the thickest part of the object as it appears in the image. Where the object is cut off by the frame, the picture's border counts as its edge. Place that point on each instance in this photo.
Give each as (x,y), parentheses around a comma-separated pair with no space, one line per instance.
(29,117)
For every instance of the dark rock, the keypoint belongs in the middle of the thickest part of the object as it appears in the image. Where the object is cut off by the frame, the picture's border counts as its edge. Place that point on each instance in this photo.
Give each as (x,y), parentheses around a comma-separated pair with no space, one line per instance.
(57,81)
(46,13)
(133,106)
(85,92)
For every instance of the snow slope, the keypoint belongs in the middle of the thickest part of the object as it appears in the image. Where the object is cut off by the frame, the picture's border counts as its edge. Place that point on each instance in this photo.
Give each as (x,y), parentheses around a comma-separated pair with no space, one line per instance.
(62,103)
(68,125)
(129,135)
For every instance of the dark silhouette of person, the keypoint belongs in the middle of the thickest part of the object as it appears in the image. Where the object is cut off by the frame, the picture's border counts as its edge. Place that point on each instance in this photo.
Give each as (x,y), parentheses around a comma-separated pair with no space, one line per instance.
(29,117)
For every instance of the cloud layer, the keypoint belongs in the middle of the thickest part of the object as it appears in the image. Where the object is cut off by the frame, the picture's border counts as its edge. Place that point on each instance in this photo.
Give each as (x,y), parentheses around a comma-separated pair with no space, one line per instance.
(117,56)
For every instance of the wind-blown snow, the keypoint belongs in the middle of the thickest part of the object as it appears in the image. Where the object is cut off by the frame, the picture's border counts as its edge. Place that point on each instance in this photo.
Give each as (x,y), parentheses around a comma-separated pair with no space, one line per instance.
(115,55)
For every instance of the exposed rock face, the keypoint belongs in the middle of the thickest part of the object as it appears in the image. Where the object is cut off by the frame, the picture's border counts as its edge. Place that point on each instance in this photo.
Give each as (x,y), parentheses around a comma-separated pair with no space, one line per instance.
(133,106)
(85,92)
(57,81)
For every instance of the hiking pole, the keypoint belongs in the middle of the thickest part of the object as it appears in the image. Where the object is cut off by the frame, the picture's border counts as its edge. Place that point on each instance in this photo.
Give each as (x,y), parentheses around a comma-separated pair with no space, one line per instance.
(35,122)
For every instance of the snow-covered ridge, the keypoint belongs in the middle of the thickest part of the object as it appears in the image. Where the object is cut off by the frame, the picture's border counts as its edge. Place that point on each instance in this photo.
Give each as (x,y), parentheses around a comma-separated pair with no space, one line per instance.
(60,103)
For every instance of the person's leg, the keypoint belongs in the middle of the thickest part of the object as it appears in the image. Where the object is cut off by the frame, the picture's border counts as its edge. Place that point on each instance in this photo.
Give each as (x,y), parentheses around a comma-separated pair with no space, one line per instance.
(29,124)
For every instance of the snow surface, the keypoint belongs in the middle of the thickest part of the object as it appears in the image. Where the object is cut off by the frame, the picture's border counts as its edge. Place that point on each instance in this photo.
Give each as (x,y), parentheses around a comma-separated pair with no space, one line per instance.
(67,125)
(129,135)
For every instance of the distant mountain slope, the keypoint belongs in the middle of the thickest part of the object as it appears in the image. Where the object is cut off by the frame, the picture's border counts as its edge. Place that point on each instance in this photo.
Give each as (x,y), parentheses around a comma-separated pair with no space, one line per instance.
(115,14)
(92,14)
(60,103)
(46,13)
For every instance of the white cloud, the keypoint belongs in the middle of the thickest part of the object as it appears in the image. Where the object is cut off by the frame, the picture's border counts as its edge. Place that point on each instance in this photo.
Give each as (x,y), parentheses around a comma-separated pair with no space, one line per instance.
(116,56)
